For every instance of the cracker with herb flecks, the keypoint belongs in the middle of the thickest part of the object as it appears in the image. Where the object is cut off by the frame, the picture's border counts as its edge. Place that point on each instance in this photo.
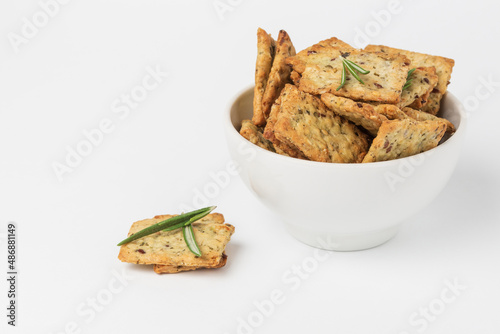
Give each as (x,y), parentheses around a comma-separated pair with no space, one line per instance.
(443,65)
(360,113)
(280,72)
(266,47)
(307,125)
(423,116)
(280,147)
(320,68)
(169,248)
(254,135)
(403,138)
(433,103)
(423,81)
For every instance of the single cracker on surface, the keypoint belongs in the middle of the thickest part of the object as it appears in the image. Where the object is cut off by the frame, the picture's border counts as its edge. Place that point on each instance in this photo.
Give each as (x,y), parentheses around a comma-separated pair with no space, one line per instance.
(423,81)
(423,116)
(403,138)
(254,135)
(265,54)
(443,65)
(321,66)
(306,124)
(169,248)
(360,113)
(280,72)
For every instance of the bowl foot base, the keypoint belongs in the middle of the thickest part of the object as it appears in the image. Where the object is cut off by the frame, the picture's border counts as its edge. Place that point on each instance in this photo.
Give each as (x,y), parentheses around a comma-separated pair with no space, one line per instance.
(342,242)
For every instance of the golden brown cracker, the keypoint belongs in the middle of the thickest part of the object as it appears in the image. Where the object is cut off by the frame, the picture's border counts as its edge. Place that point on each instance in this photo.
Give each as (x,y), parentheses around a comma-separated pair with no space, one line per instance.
(307,125)
(254,135)
(443,65)
(265,54)
(402,138)
(321,70)
(169,247)
(280,72)
(360,113)
(423,81)
(423,116)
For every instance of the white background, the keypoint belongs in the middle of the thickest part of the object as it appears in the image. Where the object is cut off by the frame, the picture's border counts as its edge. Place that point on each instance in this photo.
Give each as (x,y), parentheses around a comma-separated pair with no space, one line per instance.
(63,81)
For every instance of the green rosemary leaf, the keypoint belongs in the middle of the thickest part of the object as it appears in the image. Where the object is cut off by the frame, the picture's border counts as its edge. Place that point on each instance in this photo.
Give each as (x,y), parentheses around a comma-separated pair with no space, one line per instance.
(342,79)
(408,80)
(357,67)
(410,72)
(407,84)
(188,233)
(352,71)
(170,224)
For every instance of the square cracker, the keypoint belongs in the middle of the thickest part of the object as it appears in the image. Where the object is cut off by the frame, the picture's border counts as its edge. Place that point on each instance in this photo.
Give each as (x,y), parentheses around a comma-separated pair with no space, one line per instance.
(423,81)
(266,47)
(423,116)
(169,248)
(403,138)
(362,114)
(281,148)
(443,65)
(280,72)
(306,124)
(254,135)
(320,68)
(331,42)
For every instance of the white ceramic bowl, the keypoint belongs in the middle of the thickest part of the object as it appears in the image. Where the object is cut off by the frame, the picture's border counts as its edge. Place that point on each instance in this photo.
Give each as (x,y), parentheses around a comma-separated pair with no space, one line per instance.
(338,206)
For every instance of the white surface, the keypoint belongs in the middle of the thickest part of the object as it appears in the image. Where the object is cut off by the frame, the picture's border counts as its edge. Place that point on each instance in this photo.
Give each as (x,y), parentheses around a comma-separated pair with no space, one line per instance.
(64,81)
(343,207)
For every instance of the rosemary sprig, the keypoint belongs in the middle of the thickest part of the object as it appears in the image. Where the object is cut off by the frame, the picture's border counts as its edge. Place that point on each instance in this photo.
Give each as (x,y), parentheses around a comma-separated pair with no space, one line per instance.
(356,67)
(352,71)
(353,68)
(181,221)
(342,79)
(188,233)
(408,80)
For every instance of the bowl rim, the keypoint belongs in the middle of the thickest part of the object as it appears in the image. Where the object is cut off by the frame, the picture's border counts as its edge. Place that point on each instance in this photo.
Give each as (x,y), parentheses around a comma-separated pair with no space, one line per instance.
(460,130)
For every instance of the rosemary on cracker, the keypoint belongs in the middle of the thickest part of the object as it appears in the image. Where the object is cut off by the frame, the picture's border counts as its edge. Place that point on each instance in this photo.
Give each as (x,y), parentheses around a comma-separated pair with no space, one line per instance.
(183,221)
(353,68)
(408,80)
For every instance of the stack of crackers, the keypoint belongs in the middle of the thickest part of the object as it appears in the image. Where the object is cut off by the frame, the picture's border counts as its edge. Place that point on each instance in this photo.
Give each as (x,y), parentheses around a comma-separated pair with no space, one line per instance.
(168,252)
(299,110)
